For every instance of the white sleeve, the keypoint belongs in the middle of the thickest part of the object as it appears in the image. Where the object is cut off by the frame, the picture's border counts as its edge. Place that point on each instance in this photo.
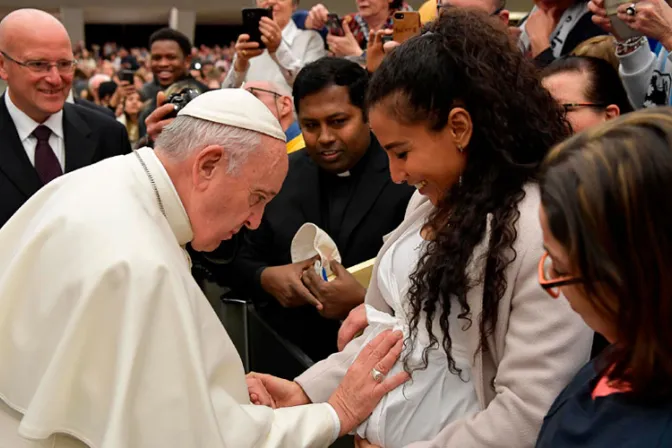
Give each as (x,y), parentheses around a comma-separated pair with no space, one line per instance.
(234,79)
(636,70)
(291,63)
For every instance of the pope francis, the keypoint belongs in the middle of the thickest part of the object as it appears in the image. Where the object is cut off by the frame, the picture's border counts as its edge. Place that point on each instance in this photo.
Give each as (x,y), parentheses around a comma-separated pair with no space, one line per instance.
(106,341)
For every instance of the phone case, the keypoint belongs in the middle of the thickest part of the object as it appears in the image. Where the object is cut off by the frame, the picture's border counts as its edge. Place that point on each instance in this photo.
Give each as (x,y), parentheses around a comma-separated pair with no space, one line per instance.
(251,19)
(334,25)
(406,25)
(621,29)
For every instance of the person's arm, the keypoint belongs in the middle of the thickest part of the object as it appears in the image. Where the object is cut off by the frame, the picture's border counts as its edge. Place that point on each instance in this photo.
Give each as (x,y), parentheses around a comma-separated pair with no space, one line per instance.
(235,78)
(636,69)
(291,63)
(546,343)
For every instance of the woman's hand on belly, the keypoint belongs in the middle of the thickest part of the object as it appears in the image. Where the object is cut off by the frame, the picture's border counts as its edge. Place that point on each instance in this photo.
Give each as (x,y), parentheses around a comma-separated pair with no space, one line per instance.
(355,323)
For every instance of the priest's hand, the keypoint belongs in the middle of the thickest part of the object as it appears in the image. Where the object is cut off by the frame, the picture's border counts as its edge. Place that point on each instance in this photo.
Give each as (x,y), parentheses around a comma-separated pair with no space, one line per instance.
(275,392)
(359,392)
(355,323)
(284,283)
(156,121)
(337,296)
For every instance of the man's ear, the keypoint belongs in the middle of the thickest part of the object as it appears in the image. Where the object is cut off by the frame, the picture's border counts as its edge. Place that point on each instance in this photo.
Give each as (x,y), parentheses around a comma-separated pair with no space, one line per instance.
(286,106)
(3,70)
(208,163)
(612,111)
(461,126)
(504,16)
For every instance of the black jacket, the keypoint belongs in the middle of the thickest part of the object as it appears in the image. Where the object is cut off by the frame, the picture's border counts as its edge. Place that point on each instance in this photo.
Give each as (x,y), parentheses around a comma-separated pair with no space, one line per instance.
(89,137)
(377,207)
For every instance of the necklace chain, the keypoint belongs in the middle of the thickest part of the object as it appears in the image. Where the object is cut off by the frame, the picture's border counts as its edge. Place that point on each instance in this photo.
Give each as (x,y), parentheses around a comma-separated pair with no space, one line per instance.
(153,182)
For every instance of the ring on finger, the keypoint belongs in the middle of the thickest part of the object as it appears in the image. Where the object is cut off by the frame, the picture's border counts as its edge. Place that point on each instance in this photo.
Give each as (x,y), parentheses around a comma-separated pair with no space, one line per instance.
(377,375)
(631,10)
(244,52)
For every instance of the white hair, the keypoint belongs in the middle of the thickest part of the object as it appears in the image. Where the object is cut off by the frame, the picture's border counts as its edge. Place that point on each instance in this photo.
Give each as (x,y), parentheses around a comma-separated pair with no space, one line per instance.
(187,134)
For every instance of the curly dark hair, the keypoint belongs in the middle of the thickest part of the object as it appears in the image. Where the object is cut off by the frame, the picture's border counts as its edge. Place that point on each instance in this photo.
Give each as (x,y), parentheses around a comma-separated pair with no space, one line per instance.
(466,59)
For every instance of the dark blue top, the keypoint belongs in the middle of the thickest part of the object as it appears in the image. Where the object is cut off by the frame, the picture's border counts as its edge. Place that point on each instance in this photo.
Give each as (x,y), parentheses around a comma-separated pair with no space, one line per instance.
(576,420)
(299,18)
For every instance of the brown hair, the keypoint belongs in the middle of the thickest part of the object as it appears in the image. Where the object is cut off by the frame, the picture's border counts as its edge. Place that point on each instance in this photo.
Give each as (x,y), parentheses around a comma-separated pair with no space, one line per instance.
(606,195)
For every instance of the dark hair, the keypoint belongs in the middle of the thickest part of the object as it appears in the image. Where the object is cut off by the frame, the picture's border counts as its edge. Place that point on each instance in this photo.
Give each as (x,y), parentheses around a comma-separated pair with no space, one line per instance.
(604,83)
(606,197)
(173,35)
(331,71)
(468,60)
(396,4)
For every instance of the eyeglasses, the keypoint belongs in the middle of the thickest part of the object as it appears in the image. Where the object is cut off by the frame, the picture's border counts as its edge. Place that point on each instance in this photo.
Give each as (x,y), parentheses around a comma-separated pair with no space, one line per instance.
(253,91)
(549,282)
(63,66)
(571,106)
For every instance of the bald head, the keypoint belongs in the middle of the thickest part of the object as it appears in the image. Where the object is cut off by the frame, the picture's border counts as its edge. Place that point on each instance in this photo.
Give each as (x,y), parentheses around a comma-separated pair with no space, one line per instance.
(278,99)
(29,23)
(36,62)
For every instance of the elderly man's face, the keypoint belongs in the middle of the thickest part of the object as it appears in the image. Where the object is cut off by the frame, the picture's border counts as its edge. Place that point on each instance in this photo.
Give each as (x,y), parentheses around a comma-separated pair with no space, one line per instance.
(37,91)
(222,202)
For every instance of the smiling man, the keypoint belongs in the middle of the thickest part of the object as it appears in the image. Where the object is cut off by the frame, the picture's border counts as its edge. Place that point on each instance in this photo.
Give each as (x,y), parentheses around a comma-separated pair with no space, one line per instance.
(340,182)
(170,61)
(42,136)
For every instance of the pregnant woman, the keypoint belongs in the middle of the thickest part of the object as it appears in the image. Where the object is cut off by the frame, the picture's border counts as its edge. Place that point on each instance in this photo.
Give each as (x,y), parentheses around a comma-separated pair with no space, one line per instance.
(464,118)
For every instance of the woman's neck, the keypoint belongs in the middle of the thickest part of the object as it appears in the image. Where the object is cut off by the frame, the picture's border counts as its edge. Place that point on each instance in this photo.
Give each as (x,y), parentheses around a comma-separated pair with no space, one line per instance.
(132,118)
(377,21)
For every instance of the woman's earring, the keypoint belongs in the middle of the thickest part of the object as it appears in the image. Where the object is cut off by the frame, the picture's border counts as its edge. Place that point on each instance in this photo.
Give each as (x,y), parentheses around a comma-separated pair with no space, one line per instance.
(460,148)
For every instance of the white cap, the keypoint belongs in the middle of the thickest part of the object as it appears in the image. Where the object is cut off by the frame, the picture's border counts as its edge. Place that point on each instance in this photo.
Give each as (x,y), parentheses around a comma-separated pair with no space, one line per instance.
(237,108)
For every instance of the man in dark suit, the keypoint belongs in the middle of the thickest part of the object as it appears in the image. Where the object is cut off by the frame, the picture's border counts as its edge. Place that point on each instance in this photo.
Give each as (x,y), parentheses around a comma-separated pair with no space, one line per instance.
(41,137)
(340,182)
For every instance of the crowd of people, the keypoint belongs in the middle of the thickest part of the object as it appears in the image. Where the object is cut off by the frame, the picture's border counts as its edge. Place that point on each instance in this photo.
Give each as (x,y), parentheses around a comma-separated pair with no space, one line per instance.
(509,181)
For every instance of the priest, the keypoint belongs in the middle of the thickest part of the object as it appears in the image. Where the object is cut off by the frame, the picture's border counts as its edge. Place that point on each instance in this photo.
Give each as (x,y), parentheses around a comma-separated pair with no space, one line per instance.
(106,341)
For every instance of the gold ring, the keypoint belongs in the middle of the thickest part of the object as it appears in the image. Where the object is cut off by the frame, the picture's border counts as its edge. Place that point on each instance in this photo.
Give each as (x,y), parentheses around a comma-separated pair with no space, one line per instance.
(244,53)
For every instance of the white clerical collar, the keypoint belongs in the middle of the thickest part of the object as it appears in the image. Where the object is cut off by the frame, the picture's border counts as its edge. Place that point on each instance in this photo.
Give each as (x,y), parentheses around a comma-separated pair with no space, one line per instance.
(344,174)
(172,204)
(26,125)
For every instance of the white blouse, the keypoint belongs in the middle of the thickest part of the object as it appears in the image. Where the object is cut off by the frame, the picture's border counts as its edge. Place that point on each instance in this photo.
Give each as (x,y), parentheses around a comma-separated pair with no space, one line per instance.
(434,397)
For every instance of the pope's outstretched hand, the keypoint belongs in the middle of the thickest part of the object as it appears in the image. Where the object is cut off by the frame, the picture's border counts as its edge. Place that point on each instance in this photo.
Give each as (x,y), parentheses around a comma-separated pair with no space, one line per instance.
(356,396)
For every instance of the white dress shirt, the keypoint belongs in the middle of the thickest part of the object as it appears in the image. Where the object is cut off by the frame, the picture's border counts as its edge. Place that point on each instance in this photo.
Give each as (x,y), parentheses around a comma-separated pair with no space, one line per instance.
(298,47)
(26,125)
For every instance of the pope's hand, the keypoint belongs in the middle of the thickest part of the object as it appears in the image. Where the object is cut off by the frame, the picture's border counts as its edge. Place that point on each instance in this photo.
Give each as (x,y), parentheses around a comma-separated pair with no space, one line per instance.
(156,121)
(284,283)
(359,392)
(337,296)
(275,392)
(354,324)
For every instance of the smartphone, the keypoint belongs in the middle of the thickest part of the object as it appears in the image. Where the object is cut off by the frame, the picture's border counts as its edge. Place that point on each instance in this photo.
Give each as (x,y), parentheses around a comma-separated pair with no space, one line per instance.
(251,19)
(405,25)
(127,75)
(620,29)
(335,25)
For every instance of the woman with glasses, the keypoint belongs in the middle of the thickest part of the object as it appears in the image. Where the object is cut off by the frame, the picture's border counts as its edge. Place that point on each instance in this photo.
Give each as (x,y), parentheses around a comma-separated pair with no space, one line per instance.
(606,217)
(463,118)
(589,89)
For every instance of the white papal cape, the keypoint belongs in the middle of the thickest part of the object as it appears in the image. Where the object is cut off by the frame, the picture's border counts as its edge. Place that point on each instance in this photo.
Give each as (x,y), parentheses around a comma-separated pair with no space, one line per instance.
(106,337)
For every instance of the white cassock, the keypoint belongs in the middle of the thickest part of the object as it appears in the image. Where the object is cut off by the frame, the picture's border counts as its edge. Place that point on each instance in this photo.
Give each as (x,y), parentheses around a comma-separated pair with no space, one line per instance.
(105,335)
